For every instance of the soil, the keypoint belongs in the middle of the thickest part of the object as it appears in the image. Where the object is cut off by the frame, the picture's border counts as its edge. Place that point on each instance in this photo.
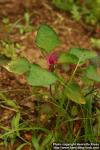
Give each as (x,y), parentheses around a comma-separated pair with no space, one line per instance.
(71,33)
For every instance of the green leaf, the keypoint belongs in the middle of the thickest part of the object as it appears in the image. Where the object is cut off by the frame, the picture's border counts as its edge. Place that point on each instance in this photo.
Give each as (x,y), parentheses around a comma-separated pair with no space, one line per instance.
(4,60)
(15,123)
(74,111)
(5,20)
(47,140)
(21,146)
(76,13)
(95,43)
(82,54)
(9,49)
(86,80)
(2,96)
(19,66)
(7,101)
(66,5)
(91,73)
(46,38)
(98,118)
(10,103)
(73,92)
(67,58)
(96,61)
(35,142)
(27,17)
(40,77)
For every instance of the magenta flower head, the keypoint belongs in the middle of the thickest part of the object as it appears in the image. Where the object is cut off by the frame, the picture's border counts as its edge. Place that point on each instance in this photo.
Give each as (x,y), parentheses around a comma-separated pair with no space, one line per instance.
(52,58)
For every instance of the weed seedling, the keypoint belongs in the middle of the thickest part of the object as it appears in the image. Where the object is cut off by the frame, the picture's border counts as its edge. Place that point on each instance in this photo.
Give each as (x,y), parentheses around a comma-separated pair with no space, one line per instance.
(68,91)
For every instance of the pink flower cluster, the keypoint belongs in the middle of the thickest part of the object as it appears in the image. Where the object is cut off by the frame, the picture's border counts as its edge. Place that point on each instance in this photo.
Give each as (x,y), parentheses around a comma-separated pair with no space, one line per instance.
(52,58)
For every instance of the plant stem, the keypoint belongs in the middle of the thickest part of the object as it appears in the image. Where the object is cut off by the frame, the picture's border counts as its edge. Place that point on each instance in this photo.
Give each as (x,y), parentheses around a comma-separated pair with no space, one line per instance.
(74,72)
